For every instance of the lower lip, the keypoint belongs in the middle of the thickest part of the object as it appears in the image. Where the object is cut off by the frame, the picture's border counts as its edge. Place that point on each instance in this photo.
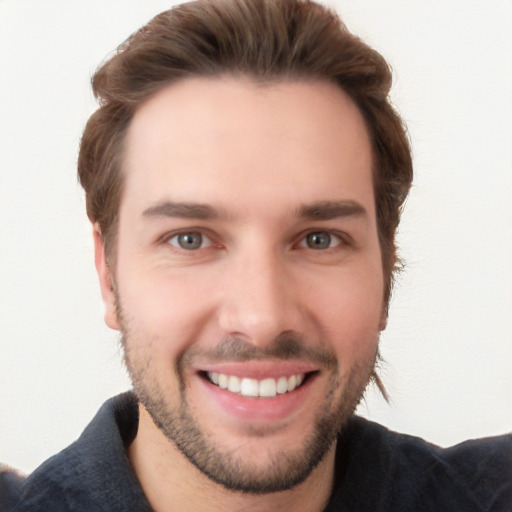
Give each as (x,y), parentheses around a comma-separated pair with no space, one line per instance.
(257,409)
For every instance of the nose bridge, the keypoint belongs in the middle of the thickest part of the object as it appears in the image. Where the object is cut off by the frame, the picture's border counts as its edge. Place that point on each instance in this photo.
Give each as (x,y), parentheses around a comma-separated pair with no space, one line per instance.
(258,301)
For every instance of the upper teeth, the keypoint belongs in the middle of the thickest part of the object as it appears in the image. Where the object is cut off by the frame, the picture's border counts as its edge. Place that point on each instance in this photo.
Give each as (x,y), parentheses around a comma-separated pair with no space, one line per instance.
(253,387)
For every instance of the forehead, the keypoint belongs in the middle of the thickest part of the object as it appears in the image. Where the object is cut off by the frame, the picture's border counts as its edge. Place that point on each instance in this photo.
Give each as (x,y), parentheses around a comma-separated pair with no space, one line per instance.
(234,142)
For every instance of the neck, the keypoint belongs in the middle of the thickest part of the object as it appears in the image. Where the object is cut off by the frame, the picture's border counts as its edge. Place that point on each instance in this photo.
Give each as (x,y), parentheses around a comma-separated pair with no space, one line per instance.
(171,482)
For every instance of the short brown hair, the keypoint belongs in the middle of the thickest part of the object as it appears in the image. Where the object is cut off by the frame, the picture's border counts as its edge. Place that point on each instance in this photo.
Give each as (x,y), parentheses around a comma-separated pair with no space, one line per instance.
(266,40)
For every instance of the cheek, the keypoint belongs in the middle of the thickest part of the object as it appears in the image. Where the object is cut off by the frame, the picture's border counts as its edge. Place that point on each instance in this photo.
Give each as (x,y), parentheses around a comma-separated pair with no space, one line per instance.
(164,312)
(350,311)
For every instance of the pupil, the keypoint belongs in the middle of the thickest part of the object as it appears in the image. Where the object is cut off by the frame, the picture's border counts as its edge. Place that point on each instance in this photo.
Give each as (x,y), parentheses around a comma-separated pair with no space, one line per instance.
(319,240)
(190,241)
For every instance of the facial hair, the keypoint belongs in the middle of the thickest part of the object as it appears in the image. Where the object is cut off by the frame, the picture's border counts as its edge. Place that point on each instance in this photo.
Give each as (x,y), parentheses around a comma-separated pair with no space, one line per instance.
(285,469)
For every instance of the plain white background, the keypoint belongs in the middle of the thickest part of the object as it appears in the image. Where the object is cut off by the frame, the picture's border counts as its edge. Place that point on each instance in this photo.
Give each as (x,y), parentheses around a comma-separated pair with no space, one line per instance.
(448,345)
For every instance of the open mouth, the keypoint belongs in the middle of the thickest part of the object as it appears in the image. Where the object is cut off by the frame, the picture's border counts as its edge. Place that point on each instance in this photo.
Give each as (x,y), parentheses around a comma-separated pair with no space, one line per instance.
(264,388)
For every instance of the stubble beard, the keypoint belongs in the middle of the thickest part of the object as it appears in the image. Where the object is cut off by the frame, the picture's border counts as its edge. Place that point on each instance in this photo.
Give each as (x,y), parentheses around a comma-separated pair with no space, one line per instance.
(285,469)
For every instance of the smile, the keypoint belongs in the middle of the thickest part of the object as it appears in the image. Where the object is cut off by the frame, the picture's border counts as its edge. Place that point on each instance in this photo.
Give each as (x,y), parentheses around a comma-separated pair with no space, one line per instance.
(264,388)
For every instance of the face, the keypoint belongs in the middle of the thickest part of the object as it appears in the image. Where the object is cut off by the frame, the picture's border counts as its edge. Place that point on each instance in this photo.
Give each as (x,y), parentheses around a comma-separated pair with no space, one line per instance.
(248,284)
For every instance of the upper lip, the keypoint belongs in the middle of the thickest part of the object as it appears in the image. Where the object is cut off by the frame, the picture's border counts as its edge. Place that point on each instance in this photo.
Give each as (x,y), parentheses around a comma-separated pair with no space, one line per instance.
(259,369)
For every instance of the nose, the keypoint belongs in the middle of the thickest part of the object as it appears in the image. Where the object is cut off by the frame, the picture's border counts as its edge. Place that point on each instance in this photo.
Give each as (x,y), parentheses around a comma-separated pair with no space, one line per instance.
(260,299)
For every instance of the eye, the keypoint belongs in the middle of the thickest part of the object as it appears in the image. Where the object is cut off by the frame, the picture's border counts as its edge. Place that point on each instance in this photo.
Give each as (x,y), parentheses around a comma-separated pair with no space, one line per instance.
(190,241)
(320,240)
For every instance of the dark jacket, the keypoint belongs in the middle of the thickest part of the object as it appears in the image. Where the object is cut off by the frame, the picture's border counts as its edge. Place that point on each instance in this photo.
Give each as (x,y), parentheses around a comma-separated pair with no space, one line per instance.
(376,471)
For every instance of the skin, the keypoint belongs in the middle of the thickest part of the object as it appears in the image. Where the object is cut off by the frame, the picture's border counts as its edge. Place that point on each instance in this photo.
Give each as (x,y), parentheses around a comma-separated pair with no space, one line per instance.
(264,159)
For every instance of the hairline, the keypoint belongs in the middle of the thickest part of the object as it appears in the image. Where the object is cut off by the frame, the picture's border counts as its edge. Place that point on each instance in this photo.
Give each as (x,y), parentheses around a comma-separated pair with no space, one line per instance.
(269,80)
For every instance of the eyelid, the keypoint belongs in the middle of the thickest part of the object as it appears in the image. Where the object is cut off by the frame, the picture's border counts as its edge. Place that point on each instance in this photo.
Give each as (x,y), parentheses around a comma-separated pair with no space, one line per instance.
(342,238)
(206,234)
(205,241)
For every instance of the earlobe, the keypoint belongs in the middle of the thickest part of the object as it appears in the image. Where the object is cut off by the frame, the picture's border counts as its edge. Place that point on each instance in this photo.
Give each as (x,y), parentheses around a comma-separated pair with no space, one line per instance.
(105,279)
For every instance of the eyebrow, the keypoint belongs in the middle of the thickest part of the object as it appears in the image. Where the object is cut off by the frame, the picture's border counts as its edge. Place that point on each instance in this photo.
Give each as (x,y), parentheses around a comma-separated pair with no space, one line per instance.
(327,210)
(182,210)
(322,210)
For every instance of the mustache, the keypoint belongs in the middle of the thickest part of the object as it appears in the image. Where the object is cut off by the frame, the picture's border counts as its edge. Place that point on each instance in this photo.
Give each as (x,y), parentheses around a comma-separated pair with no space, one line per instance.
(288,345)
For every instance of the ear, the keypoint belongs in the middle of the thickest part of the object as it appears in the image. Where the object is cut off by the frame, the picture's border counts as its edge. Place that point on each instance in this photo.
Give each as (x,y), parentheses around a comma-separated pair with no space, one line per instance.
(383,319)
(105,278)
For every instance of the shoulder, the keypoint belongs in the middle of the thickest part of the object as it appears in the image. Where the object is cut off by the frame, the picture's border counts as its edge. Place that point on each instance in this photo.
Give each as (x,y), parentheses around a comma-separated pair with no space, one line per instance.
(409,473)
(11,483)
(93,473)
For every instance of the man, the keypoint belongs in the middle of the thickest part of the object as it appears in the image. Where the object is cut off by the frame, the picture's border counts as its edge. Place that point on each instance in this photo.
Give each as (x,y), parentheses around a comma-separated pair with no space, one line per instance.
(244,176)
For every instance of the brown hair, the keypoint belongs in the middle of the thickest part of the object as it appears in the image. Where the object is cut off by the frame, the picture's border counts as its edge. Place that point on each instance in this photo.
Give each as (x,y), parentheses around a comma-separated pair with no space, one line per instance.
(265,40)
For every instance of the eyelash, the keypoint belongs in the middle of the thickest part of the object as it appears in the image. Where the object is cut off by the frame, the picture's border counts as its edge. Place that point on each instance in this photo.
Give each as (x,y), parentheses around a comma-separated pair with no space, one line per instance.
(332,235)
(190,232)
(342,239)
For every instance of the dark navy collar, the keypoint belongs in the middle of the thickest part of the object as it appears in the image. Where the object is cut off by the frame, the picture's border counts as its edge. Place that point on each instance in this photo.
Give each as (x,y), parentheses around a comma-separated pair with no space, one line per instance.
(93,473)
